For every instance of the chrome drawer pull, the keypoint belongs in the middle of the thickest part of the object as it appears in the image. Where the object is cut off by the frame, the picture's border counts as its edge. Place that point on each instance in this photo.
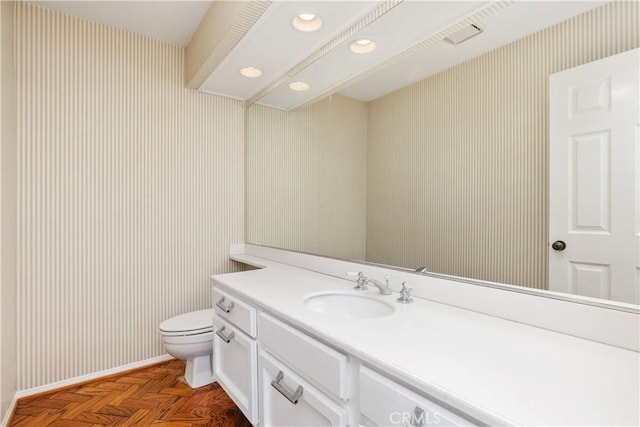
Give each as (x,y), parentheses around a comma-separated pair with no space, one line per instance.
(291,397)
(418,418)
(225,338)
(225,308)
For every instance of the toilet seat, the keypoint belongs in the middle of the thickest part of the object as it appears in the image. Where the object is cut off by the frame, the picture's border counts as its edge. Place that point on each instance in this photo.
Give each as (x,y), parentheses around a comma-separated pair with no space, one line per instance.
(186,333)
(192,323)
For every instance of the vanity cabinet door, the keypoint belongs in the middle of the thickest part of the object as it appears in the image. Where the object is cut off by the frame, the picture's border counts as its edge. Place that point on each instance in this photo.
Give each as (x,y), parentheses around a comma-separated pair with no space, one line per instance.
(384,402)
(288,400)
(235,367)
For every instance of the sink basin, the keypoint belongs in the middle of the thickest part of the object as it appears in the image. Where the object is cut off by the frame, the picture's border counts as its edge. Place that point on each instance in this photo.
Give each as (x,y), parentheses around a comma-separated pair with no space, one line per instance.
(348,306)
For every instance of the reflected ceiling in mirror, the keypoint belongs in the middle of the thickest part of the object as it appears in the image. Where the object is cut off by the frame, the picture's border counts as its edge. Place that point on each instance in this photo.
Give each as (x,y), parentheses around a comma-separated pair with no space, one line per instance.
(412,41)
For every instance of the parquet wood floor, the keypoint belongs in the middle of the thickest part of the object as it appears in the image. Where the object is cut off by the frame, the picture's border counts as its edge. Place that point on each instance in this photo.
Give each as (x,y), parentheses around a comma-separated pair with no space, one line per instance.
(154,396)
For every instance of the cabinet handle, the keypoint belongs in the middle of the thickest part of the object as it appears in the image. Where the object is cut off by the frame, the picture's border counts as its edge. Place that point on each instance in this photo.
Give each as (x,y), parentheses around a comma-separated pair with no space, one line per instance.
(225,308)
(291,397)
(225,338)
(418,418)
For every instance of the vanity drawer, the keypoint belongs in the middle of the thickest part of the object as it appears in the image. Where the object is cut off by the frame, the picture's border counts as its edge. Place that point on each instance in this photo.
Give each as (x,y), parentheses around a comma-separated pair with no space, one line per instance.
(385,403)
(236,311)
(288,400)
(322,365)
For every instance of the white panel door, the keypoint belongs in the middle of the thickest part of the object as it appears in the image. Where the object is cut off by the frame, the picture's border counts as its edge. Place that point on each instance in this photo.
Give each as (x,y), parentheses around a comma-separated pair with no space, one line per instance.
(594,173)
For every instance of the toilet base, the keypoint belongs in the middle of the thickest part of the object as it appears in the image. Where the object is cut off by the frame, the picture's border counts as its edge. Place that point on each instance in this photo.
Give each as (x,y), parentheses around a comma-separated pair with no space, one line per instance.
(199,371)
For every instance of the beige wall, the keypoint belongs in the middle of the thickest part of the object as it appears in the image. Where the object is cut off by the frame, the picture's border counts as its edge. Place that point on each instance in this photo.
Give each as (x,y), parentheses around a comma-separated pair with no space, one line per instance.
(306,177)
(130,193)
(462,156)
(8,205)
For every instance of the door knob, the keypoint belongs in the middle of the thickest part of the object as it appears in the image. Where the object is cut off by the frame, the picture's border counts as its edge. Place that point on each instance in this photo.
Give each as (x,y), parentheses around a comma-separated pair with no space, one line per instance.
(559,245)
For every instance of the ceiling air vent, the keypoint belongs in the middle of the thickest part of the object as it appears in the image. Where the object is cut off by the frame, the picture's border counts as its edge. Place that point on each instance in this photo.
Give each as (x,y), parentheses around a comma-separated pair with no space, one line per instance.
(464,34)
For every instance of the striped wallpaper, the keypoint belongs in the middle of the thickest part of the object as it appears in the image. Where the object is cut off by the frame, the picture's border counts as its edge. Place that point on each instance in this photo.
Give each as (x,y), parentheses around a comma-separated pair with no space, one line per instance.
(461,157)
(456,163)
(306,177)
(130,193)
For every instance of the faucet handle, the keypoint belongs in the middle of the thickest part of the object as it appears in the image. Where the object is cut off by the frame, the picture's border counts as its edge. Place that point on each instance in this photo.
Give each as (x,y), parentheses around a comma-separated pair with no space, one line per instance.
(388,277)
(361,281)
(405,294)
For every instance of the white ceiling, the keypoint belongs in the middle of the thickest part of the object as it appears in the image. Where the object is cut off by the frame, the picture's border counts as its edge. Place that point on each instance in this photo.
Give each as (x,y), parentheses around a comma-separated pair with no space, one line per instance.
(405,25)
(170,21)
(274,46)
(514,22)
(401,27)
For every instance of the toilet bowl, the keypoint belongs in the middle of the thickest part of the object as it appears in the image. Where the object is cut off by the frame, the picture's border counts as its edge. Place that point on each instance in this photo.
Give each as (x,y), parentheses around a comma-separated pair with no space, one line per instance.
(189,337)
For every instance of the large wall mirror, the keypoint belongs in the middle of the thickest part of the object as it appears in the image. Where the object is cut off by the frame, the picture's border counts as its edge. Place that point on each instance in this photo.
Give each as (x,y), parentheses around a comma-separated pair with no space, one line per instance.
(450,171)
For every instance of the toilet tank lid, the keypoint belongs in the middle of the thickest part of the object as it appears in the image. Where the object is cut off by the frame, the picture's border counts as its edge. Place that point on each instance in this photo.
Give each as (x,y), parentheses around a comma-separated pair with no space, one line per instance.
(189,321)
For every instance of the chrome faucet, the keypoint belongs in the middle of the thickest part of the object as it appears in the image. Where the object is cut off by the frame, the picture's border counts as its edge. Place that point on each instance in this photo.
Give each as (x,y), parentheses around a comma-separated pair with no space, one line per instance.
(362,281)
(384,289)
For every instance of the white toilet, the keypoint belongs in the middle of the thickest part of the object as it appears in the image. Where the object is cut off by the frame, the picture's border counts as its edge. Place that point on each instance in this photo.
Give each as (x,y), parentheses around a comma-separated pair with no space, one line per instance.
(189,337)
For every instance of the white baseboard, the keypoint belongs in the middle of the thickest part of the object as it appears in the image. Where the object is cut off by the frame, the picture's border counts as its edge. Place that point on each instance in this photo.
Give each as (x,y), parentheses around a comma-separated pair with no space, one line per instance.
(77,380)
(9,413)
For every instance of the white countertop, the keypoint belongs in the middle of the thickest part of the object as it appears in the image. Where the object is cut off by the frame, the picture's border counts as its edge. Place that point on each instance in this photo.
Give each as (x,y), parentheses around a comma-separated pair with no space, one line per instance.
(495,370)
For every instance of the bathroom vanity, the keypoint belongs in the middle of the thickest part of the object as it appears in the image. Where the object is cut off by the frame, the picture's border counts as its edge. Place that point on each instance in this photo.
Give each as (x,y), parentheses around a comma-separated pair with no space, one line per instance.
(287,359)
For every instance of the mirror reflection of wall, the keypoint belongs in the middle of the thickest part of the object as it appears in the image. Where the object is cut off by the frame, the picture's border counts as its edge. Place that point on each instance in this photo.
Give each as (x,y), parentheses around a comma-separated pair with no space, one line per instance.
(306,177)
(450,172)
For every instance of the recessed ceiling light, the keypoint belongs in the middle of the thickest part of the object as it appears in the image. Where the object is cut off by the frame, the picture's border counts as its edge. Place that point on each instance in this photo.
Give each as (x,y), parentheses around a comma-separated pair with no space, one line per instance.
(299,86)
(306,22)
(251,72)
(362,46)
